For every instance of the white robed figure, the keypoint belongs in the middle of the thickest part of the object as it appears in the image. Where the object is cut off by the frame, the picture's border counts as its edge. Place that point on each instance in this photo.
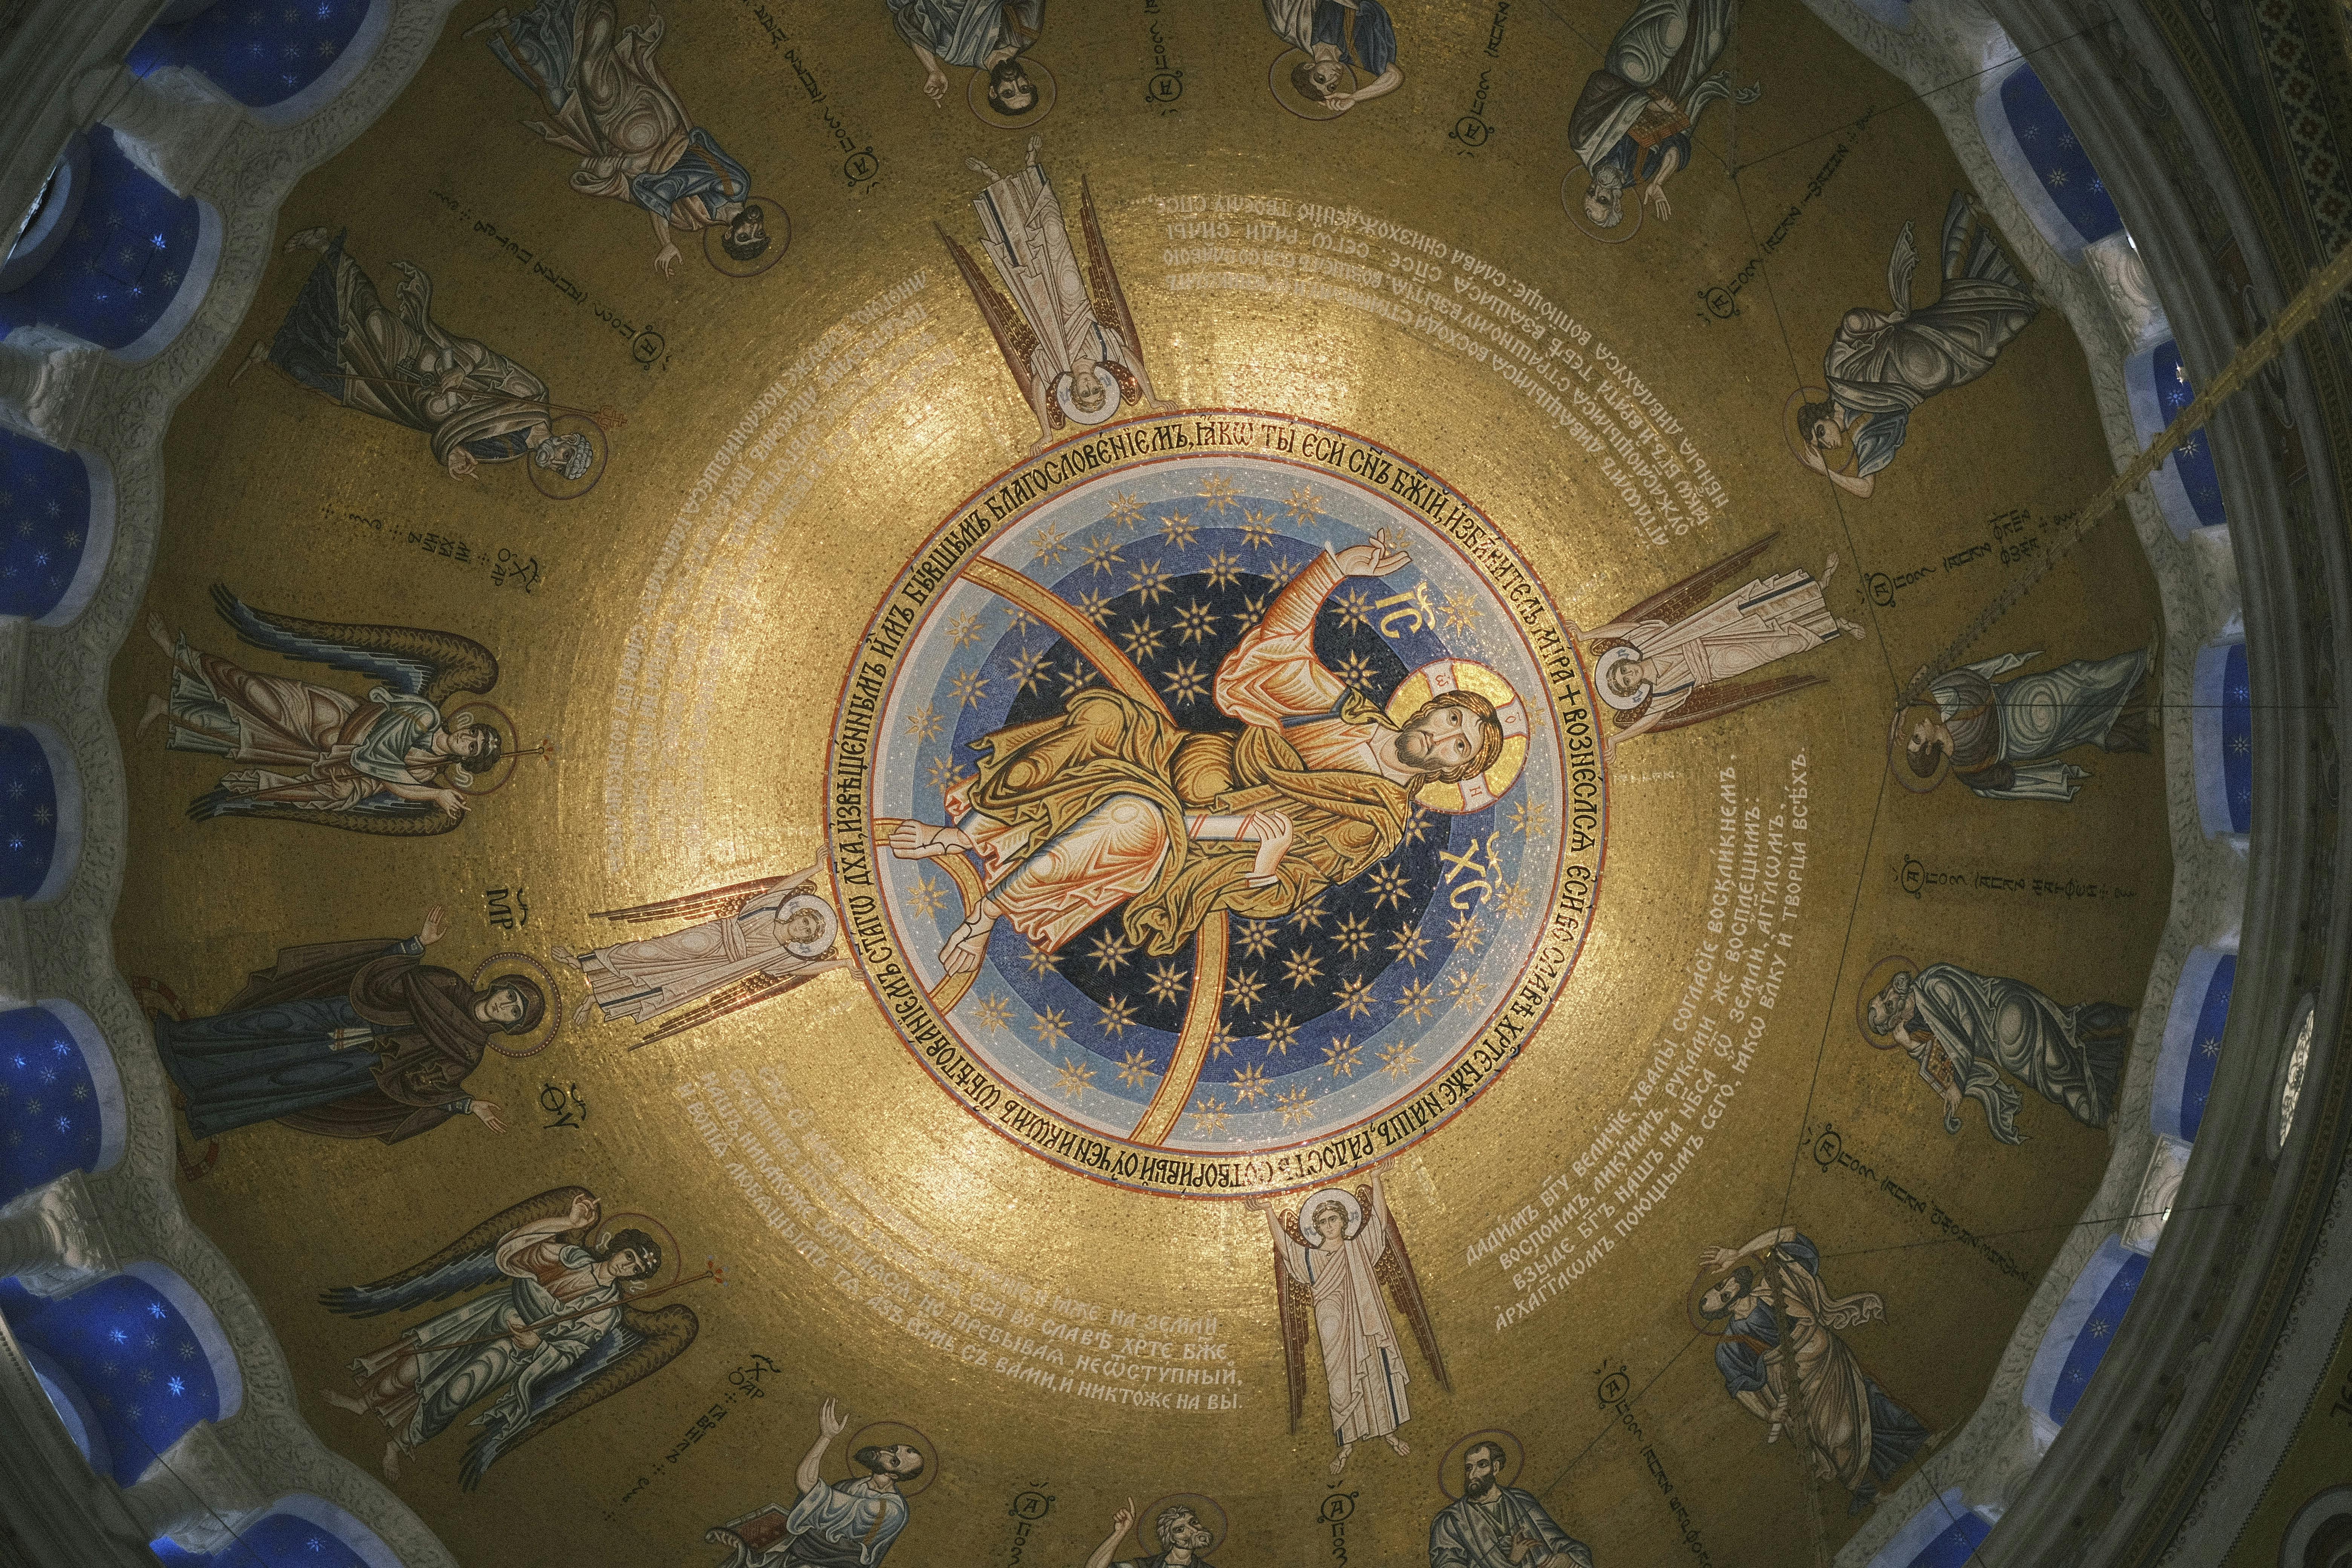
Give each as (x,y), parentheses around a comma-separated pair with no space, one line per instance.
(2002,738)
(1673,659)
(1072,347)
(772,933)
(1346,1250)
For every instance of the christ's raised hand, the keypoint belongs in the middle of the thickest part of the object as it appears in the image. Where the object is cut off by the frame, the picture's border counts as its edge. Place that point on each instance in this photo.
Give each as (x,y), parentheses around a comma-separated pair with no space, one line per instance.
(1384,555)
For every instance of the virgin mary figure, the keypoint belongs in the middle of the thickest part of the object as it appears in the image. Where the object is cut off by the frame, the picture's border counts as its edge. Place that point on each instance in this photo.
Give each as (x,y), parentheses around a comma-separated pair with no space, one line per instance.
(347,1039)
(608,102)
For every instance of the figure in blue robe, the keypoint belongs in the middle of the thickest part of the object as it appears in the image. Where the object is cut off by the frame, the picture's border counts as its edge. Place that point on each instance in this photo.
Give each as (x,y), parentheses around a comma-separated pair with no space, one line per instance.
(2002,736)
(1350,48)
(988,36)
(1964,1030)
(1633,121)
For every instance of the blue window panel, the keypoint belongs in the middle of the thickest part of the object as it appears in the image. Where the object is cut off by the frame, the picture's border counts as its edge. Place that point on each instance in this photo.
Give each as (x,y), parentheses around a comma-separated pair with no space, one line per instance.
(1941,1535)
(53,1106)
(2192,460)
(139,1363)
(2057,161)
(2080,1332)
(1956,1546)
(276,1541)
(45,524)
(2097,1333)
(2192,1043)
(2221,738)
(130,252)
(28,812)
(260,52)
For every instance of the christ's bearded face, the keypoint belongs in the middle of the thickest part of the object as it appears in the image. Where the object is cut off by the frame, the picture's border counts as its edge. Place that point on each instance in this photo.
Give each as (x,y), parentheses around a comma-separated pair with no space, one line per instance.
(1440,738)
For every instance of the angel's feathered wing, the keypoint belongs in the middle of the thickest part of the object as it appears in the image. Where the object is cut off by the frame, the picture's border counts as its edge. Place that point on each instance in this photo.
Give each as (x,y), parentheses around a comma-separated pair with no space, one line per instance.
(1729,697)
(418,663)
(1295,1302)
(714,903)
(639,1345)
(1395,1269)
(1102,275)
(466,1263)
(380,814)
(1015,339)
(1671,605)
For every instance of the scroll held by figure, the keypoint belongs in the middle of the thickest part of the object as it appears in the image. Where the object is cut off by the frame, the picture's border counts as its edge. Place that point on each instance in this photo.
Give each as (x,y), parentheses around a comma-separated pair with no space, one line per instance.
(757,940)
(1633,121)
(473,404)
(389,763)
(1883,365)
(551,1327)
(1332,1271)
(1110,805)
(1065,332)
(1677,657)
(608,103)
(1963,1031)
(348,1039)
(1778,1349)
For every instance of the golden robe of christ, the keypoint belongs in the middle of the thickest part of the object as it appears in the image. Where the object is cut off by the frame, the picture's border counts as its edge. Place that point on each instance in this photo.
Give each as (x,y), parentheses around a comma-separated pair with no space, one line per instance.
(1110,803)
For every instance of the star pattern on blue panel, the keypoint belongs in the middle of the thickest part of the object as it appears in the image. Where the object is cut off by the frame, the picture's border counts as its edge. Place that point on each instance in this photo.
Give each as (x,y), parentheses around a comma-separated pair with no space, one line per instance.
(105,284)
(258,56)
(111,1343)
(44,1071)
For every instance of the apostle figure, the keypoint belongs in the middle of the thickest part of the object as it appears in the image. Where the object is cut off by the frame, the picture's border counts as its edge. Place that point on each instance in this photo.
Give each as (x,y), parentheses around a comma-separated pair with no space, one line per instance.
(1881,365)
(474,404)
(979,35)
(2000,736)
(346,1039)
(1672,660)
(773,934)
(1780,1355)
(851,1525)
(607,102)
(1108,803)
(553,1335)
(1182,1540)
(1963,1030)
(1495,1526)
(386,763)
(1633,120)
(1068,338)
(1338,38)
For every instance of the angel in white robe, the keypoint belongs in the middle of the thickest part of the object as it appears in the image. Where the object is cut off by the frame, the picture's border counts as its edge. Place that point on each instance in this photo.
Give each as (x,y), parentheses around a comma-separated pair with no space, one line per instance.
(554,1335)
(1333,1271)
(1673,659)
(762,938)
(1067,336)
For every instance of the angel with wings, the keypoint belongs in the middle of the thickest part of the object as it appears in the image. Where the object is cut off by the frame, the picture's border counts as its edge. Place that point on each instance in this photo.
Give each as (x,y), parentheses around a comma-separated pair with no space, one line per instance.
(1671,660)
(759,940)
(388,763)
(1331,1273)
(1068,338)
(552,1331)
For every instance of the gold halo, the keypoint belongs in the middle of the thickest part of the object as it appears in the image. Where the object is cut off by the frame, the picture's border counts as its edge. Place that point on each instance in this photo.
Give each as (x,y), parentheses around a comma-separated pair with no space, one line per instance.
(608,1223)
(1147,1523)
(1450,1462)
(1574,203)
(1277,78)
(1873,980)
(1898,760)
(554,486)
(552,995)
(895,1433)
(780,239)
(1467,675)
(1796,437)
(984,110)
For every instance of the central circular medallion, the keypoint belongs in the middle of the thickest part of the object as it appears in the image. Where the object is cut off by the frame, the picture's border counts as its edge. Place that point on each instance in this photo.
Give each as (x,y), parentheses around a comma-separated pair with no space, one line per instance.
(1217,805)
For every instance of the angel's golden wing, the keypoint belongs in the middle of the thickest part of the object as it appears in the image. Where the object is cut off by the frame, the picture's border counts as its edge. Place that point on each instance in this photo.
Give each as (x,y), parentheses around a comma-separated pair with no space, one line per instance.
(1671,605)
(1015,339)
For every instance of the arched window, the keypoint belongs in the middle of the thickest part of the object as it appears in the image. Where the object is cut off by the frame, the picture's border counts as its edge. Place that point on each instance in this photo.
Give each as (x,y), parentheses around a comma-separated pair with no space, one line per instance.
(2192,1043)
(133,268)
(40,813)
(298,1531)
(57,526)
(60,1102)
(281,61)
(138,1354)
(2078,1337)
(2221,740)
(2187,487)
(2042,162)
(1944,1534)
